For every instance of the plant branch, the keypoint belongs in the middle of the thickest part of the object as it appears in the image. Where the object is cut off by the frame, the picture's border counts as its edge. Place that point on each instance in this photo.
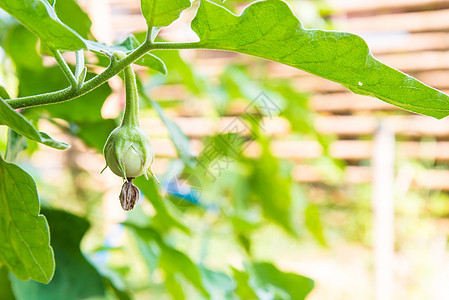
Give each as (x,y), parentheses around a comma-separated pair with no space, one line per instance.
(114,68)
(64,67)
(79,63)
(68,93)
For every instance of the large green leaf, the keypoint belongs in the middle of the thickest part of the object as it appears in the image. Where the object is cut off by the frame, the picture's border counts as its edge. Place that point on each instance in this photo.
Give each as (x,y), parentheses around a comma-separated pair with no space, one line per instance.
(40,18)
(160,13)
(74,277)
(270,30)
(24,238)
(18,123)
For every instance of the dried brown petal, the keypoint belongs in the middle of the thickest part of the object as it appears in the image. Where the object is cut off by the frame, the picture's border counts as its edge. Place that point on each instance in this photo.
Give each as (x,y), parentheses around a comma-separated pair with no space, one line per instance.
(129,195)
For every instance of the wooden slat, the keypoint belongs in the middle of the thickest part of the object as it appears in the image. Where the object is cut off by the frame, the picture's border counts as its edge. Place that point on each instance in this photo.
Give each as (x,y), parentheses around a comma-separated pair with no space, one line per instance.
(350,150)
(406,125)
(428,179)
(348,102)
(370,6)
(411,126)
(409,22)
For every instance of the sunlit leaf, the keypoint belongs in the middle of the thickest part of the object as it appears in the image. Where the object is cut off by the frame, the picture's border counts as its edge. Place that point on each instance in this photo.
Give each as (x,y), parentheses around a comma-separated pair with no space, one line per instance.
(160,13)
(24,236)
(270,30)
(40,18)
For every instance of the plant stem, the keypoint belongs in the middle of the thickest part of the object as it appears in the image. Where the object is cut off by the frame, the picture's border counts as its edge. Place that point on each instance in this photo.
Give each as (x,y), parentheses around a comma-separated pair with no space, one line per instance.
(131,116)
(114,68)
(79,63)
(64,67)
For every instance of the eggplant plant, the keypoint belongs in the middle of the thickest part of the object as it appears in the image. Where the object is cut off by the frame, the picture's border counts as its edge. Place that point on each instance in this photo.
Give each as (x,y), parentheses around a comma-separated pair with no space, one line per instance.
(267,29)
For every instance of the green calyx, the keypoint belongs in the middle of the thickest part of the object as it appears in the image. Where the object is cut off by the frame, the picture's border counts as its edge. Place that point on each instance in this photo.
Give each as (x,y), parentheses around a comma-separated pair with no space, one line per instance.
(128,150)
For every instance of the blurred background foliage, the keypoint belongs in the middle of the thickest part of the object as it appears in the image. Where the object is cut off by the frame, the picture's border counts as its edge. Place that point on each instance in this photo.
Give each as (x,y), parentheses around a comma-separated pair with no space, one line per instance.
(243,231)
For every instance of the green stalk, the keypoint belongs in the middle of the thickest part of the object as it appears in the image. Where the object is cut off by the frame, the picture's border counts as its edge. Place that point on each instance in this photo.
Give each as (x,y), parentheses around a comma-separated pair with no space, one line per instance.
(131,115)
(65,68)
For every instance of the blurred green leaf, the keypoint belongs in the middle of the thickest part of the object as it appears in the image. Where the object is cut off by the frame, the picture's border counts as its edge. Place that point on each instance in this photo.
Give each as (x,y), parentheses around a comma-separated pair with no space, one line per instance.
(164,219)
(86,108)
(18,123)
(16,143)
(20,45)
(272,188)
(174,261)
(181,70)
(94,134)
(24,238)
(294,286)
(160,13)
(219,285)
(73,16)
(270,30)
(243,290)
(74,277)
(177,137)
(313,223)
(174,287)
(5,285)
(40,18)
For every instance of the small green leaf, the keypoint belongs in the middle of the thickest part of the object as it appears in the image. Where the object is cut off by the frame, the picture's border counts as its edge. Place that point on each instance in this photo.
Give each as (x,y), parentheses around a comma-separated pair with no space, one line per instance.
(153,62)
(24,235)
(74,277)
(270,30)
(16,143)
(18,123)
(160,13)
(40,18)
(130,43)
